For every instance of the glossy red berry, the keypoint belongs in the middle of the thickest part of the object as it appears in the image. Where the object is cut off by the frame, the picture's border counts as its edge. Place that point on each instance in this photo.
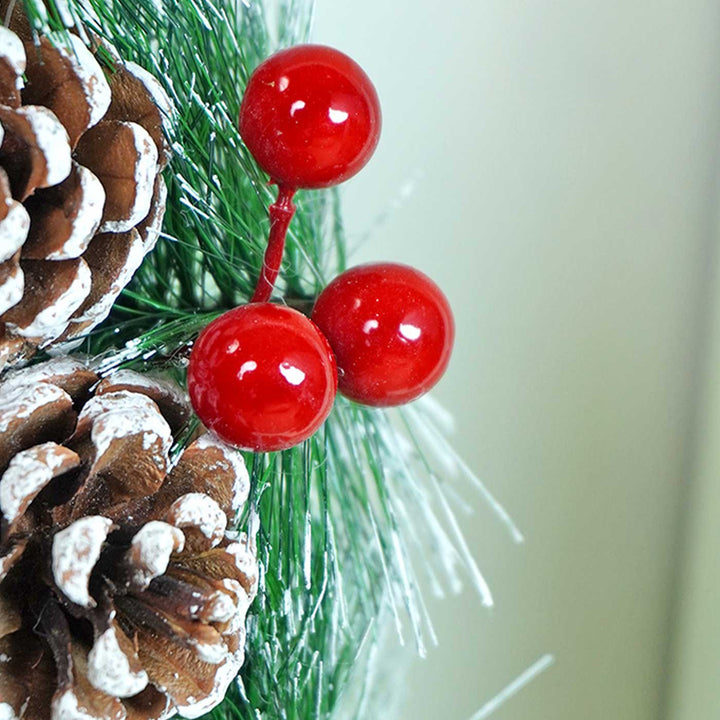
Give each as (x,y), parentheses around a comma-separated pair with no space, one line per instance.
(310,116)
(391,329)
(262,377)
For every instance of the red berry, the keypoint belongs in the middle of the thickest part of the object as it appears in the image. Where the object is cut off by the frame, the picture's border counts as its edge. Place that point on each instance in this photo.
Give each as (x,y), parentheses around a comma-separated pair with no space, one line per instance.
(262,377)
(391,329)
(310,116)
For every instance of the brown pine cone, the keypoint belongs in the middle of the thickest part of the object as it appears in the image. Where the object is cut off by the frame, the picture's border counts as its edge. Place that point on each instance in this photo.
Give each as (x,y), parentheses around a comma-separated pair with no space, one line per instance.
(81,196)
(122,595)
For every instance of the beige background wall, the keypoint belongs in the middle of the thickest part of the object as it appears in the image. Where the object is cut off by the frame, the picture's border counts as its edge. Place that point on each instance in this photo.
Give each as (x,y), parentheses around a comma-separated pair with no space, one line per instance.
(552,164)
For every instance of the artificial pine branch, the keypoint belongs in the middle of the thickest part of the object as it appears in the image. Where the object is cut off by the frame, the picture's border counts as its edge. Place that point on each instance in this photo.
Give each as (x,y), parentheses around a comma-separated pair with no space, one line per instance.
(341,515)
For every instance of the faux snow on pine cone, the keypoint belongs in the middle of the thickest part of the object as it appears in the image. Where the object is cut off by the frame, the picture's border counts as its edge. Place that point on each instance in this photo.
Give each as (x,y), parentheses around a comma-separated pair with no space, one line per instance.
(81,196)
(122,595)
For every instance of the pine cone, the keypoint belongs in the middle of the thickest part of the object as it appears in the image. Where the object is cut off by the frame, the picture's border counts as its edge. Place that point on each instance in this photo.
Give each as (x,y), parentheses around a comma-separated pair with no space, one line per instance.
(122,596)
(81,196)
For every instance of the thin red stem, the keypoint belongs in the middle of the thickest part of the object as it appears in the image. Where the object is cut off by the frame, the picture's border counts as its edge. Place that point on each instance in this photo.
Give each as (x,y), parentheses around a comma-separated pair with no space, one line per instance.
(281,213)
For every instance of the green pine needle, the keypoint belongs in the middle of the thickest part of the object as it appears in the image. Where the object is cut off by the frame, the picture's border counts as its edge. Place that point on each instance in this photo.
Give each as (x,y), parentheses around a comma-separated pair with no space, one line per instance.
(341,516)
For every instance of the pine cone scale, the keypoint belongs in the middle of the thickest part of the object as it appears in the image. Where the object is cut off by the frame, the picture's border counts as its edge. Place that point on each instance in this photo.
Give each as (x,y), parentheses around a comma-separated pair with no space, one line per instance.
(187,601)
(77,699)
(75,551)
(124,157)
(53,292)
(28,473)
(14,227)
(113,259)
(31,415)
(65,217)
(113,665)
(12,67)
(35,152)
(12,283)
(10,557)
(66,78)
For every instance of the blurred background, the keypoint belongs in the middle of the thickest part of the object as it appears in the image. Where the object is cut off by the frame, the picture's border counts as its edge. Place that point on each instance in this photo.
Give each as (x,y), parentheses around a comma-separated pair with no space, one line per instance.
(553,165)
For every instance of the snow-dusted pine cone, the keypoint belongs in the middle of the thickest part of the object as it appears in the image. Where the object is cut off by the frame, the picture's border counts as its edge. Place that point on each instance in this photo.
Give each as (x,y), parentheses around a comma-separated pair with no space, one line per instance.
(122,594)
(81,197)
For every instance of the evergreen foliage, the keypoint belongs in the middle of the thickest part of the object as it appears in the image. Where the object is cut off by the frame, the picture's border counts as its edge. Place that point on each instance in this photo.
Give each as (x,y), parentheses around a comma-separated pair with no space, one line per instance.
(340,517)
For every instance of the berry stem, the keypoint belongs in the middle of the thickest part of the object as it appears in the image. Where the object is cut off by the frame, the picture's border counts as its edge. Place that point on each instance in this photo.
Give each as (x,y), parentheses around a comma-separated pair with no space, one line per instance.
(281,213)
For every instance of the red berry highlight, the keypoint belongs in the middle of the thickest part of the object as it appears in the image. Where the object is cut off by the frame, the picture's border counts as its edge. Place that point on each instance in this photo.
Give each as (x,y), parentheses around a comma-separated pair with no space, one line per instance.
(391,329)
(310,117)
(262,377)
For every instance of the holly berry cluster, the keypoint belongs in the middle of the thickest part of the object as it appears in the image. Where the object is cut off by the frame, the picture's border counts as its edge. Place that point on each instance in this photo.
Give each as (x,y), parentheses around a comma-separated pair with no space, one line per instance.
(264,376)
